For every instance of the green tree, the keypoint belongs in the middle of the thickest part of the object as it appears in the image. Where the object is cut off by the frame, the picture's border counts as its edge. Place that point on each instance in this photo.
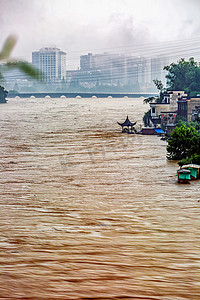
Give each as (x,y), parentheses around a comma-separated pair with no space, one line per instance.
(159,85)
(161,90)
(184,76)
(3,94)
(194,159)
(183,142)
(146,117)
(182,121)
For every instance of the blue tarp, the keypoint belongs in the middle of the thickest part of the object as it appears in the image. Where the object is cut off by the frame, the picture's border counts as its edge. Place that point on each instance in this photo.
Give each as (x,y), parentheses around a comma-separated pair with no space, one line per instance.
(158,130)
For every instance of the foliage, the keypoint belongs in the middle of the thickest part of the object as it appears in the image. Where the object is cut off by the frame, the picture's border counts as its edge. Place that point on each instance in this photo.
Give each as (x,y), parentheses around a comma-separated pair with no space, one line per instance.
(149,99)
(160,88)
(8,63)
(3,94)
(146,117)
(184,161)
(182,121)
(179,121)
(8,47)
(158,99)
(184,76)
(194,159)
(184,142)
(195,124)
(159,85)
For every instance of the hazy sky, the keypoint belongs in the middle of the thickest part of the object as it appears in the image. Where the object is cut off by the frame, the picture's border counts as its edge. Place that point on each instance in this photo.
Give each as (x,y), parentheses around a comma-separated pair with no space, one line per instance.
(82,26)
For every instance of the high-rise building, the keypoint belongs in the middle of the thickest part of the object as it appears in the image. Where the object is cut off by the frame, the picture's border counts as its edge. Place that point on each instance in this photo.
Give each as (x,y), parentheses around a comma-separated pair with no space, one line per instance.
(86,62)
(116,68)
(109,68)
(157,65)
(52,63)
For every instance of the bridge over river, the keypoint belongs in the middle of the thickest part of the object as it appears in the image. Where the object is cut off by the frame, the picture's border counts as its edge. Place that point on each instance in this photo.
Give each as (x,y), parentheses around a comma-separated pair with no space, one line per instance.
(82,95)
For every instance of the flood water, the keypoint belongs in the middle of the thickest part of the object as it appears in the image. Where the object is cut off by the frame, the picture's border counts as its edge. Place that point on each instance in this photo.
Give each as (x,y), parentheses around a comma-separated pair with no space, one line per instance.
(87,212)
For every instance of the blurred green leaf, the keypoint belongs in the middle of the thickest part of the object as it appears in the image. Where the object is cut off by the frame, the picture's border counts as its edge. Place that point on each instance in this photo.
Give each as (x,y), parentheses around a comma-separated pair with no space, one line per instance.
(8,47)
(26,68)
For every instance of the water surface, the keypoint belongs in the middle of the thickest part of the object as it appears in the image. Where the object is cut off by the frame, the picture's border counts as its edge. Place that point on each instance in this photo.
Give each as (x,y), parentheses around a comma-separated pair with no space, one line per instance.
(89,213)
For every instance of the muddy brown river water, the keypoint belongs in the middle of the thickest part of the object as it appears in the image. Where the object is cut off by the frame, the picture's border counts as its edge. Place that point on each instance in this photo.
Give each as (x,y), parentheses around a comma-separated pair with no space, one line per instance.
(87,212)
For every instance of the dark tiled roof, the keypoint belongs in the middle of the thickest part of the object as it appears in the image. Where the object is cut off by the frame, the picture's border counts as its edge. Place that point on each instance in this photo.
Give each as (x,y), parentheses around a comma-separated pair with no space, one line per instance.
(127,122)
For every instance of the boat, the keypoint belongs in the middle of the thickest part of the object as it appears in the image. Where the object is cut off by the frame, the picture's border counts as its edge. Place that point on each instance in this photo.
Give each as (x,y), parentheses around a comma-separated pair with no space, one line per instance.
(194,169)
(184,175)
(152,131)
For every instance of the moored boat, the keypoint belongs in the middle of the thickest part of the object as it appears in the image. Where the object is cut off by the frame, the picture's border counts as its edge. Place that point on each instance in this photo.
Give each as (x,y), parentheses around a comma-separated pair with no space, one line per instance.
(184,175)
(194,169)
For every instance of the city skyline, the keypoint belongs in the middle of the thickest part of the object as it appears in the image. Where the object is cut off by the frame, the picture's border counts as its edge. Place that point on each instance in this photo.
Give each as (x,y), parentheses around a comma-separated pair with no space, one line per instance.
(120,70)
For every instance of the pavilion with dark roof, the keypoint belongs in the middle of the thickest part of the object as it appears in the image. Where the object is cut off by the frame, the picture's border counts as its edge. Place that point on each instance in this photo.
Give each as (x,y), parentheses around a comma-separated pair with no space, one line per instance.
(127,126)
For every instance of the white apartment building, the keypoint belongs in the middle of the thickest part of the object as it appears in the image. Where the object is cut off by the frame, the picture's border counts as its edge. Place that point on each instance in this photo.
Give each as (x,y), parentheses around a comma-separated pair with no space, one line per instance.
(52,63)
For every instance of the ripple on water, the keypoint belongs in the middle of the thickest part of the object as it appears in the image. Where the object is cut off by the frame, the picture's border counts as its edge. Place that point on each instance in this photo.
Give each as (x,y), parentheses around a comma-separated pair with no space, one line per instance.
(88,212)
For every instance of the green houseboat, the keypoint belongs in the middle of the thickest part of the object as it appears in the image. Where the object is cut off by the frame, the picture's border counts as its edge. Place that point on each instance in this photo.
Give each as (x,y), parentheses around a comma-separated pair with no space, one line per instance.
(194,169)
(184,175)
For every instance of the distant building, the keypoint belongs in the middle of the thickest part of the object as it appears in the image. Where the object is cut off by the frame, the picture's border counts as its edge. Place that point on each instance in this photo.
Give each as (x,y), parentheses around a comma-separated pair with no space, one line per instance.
(157,65)
(86,62)
(52,62)
(108,68)
(121,69)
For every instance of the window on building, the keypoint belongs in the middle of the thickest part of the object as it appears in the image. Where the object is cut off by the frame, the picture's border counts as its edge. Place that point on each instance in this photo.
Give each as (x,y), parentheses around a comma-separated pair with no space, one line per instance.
(153,110)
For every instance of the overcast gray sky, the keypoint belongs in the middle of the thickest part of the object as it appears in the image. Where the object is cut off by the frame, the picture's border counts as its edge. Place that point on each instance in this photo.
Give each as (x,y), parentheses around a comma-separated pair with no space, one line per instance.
(81,26)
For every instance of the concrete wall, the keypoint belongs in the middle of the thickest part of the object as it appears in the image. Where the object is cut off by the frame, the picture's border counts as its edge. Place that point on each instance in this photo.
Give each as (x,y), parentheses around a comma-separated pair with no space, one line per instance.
(174,98)
(190,106)
(162,107)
